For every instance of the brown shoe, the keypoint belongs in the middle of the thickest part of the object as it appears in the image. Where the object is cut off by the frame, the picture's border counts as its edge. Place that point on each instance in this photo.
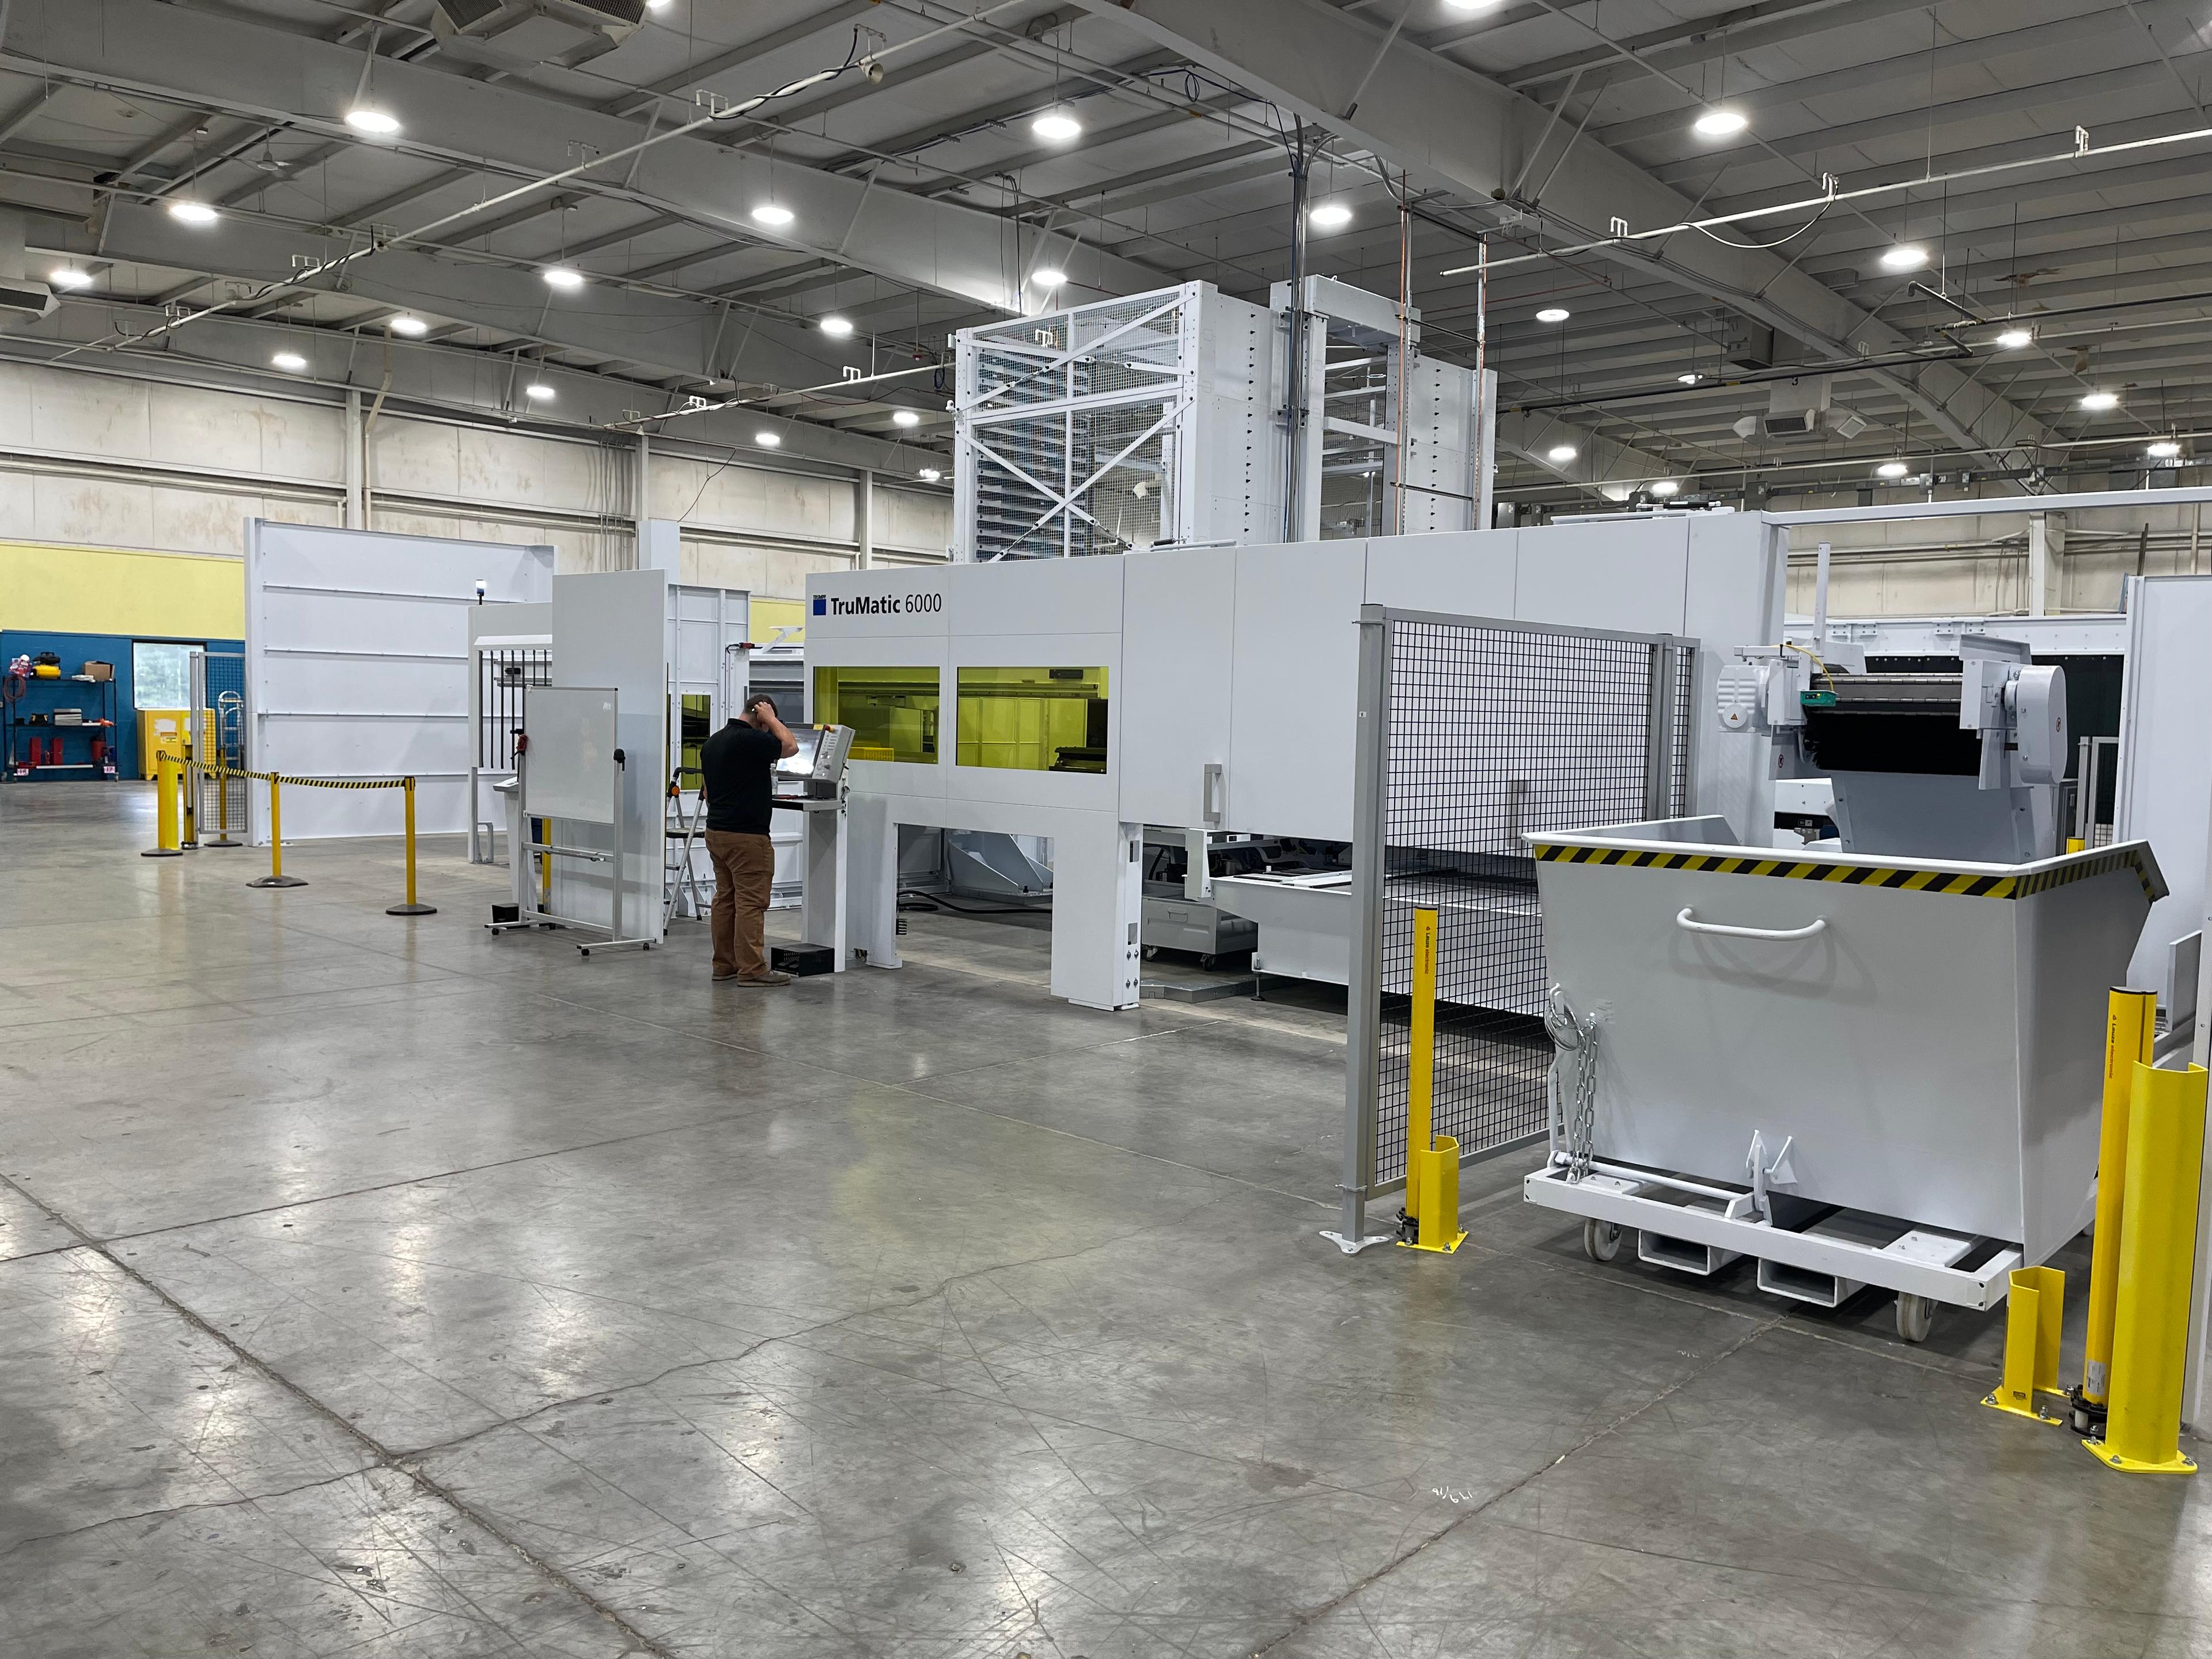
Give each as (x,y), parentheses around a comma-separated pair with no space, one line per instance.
(771,977)
(718,978)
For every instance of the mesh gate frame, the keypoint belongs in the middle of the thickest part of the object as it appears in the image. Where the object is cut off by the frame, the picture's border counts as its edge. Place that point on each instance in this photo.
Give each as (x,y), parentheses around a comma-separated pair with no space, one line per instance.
(1476,1045)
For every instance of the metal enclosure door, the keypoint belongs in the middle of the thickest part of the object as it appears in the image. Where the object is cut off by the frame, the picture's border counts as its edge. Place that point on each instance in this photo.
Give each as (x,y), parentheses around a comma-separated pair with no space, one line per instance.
(1474,733)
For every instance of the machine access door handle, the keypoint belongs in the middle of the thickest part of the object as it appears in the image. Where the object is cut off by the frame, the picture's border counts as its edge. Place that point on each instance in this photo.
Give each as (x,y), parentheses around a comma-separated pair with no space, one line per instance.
(1690,924)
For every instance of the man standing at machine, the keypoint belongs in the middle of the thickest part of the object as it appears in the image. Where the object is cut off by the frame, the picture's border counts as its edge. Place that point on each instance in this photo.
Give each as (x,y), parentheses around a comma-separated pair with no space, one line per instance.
(738,767)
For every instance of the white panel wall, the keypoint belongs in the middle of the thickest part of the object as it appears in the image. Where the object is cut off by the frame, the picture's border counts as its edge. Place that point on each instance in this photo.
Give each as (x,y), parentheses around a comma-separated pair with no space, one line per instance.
(356,646)
(1179,611)
(2165,790)
(610,629)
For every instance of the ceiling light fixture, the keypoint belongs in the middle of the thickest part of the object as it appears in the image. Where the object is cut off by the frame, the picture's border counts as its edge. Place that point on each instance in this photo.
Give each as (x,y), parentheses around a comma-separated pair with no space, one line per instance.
(1688,379)
(1329,215)
(1891,470)
(837,328)
(1665,487)
(1721,123)
(1057,125)
(905,418)
(563,278)
(767,439)
(1049,276)
(1471,5)
(1559,454)
(290,361)
(192,213)
(2013,339)
(70,277)
(1553,315)
(538,392)
(2164,450)
(2101,401)
(773,214)
(373,123)
(1905,256)
(930,475)
(413,327)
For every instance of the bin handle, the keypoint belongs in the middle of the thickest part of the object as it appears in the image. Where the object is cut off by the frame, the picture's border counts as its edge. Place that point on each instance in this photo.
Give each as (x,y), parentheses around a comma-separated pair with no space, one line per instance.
(1690,924)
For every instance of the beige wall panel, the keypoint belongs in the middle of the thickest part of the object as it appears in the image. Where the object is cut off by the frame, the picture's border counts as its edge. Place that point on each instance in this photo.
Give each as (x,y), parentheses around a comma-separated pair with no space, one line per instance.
(91,415)
(93,512)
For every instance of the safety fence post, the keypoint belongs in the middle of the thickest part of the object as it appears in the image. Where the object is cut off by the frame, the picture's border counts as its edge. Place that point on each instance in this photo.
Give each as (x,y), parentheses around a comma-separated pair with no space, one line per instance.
(2158,1248)
(1432,1159)
(2127,1035)
(165,843)
(410,908)
(276,877)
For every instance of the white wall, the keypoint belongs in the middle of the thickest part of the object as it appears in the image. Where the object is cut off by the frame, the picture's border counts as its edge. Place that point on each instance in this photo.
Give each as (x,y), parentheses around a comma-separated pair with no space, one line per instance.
(102,459)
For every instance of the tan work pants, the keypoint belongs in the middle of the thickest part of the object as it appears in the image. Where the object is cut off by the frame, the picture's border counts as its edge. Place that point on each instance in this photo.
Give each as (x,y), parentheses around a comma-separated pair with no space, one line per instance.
(745,873)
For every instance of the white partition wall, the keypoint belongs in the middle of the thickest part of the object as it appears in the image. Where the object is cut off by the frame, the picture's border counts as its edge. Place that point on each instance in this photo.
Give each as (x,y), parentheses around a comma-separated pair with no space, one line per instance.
(2165,791)
(610,629)
(357,664)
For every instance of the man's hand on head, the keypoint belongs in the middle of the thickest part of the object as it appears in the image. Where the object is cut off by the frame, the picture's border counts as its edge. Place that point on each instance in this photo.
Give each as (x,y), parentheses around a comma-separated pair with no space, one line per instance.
(760,712)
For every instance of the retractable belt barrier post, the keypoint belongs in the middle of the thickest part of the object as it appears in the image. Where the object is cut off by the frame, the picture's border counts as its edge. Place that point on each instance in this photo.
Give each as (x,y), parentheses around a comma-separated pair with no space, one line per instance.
(276,878)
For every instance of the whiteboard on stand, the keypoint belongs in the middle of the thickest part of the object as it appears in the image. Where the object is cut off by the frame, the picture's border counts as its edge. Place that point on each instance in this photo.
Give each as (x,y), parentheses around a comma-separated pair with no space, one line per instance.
(569,767)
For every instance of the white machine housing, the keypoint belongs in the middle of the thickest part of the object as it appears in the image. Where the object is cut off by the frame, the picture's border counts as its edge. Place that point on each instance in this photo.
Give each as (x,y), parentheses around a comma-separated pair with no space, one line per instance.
(1232,688)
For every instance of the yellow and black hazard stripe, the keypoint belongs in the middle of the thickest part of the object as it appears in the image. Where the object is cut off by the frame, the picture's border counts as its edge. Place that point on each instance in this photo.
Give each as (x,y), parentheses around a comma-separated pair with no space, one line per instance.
(2077,867)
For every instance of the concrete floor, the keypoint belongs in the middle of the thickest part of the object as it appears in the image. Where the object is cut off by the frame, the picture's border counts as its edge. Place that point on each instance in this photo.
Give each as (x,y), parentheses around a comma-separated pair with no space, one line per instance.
(376,1287)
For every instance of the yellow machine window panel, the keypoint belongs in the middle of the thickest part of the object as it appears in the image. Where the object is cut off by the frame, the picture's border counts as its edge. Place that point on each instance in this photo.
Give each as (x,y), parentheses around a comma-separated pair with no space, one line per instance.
(893,711)
(1033,720)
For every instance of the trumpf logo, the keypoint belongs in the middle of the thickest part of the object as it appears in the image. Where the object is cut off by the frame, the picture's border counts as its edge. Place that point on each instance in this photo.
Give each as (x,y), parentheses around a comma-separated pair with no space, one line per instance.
(821,605)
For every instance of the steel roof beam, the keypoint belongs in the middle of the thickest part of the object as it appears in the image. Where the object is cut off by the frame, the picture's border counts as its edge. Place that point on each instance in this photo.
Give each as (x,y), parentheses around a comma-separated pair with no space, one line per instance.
(1456,130)
(509,128)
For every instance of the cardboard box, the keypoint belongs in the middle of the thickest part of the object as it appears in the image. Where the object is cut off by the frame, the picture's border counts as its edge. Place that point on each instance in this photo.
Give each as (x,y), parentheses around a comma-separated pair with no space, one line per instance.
(100,671)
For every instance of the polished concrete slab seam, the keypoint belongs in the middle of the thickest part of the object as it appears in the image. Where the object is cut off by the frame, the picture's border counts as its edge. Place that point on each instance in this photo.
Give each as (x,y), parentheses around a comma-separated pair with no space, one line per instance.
(638,1640)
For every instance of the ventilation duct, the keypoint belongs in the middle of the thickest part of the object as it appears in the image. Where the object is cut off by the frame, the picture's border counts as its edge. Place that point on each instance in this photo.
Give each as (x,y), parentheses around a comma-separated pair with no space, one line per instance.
(515,33)
(1798,411)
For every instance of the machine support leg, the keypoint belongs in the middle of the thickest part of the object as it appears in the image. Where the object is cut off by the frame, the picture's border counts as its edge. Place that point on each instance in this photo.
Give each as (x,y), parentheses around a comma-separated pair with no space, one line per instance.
(2158,1248)
(2128,1034)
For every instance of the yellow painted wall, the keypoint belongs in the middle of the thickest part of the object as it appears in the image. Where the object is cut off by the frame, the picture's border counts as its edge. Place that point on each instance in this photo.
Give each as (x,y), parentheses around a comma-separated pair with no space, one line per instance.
(767,615)
(97,590)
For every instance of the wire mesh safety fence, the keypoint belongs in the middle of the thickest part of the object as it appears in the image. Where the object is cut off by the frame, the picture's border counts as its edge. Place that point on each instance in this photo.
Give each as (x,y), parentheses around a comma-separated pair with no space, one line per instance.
(219,791)
(1475,734)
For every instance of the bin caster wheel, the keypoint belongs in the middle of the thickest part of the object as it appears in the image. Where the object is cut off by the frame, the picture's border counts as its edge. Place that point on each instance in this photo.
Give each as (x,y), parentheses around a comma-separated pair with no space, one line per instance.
(583,950)
(1152,953)
(1915,1316)
(1601,1240)
(1209,963)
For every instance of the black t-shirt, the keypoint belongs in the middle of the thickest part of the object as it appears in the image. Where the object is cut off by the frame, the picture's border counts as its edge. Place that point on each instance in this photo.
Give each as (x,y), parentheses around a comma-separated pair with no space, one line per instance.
(739,765)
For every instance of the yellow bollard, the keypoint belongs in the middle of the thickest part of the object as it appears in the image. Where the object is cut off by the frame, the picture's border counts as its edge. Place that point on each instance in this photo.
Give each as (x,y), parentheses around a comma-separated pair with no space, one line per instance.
(276,877)
(165,809)
(2158,1248)
(1432,1159)
(2036,1307)
(410,908)
(2128,1033)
